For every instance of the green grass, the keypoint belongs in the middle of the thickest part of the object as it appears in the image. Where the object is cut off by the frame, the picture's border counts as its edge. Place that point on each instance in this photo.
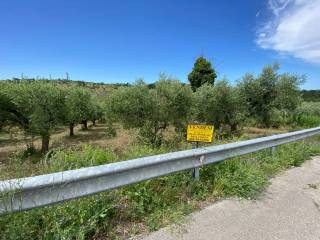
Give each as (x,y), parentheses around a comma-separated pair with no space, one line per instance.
(152,204)
(307,115)
(305,121)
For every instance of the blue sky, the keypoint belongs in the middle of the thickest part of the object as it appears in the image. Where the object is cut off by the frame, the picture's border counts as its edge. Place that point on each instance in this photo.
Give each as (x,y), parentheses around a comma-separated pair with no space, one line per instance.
(120,41)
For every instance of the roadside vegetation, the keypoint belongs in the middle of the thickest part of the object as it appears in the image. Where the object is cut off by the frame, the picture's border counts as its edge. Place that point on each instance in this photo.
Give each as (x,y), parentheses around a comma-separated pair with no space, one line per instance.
(149,205)
(66,125)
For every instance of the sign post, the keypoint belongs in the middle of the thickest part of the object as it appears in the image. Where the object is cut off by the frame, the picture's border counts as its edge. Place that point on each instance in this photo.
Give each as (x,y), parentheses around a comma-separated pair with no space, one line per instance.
(195,171)
(199,133)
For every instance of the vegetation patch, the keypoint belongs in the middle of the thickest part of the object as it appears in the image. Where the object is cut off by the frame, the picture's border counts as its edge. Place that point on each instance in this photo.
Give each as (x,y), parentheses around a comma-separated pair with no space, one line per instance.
(152,204)
(140,120)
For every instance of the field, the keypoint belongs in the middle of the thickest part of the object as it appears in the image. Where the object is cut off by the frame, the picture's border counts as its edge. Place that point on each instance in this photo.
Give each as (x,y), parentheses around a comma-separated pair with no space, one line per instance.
(139,208)
(13,145)
(143,207)
(50,126)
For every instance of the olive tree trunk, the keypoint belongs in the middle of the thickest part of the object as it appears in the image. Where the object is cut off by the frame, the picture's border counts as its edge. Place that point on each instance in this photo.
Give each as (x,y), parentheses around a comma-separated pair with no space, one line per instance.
(71,128)
(85,125)
(45,143)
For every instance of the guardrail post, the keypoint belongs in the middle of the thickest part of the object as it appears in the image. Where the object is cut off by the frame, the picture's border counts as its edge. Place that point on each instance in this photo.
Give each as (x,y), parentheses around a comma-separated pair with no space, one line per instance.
(195,174)
(195,171)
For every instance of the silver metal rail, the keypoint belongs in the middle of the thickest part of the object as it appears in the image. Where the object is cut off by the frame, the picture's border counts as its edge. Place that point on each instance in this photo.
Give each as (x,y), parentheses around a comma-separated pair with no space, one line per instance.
(32,192)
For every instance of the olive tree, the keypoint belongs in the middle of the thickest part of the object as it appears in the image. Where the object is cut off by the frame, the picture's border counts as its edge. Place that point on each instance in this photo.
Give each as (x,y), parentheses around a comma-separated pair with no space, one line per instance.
(15,104)
(174,102)
(288,93)
(259,94)
(9,112)
(96,109)
(133,106)
(219,105)
(48,101)
(270,93)
(152,111)
(38,107)
(77,107)
(6,110)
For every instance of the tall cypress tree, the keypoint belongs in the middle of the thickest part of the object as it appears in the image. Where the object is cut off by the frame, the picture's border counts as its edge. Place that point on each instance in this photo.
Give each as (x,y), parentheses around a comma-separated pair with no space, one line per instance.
(202,73)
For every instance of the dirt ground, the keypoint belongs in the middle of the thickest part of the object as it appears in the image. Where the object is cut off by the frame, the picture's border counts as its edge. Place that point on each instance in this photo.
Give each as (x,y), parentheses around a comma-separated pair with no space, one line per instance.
(254,132)
(15,141)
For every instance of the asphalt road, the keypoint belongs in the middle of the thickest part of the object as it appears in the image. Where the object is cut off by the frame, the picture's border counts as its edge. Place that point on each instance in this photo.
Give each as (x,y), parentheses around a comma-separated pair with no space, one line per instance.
(289,209)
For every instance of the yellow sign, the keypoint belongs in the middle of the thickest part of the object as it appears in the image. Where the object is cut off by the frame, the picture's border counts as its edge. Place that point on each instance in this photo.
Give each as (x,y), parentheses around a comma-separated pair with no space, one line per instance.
(200,133)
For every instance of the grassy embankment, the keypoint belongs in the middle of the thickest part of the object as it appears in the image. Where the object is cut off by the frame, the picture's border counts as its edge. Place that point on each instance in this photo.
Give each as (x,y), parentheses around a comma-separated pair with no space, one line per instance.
(149,205)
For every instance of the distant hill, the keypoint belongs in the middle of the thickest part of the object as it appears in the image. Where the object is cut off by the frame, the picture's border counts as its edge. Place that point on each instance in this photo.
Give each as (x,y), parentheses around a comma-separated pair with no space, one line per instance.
(311,95)
(91,85)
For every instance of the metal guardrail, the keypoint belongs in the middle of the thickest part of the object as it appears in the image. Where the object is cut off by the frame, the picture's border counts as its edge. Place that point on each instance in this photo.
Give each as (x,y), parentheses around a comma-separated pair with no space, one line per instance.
(31,192)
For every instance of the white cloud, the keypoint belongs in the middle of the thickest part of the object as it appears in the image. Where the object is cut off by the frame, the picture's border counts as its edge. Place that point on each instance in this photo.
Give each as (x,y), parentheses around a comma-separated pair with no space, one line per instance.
(293,29)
